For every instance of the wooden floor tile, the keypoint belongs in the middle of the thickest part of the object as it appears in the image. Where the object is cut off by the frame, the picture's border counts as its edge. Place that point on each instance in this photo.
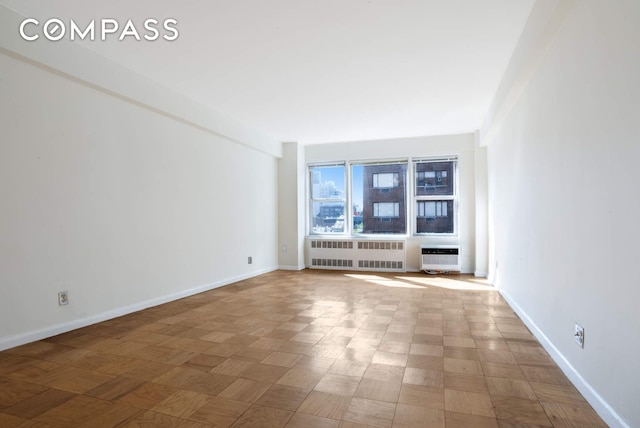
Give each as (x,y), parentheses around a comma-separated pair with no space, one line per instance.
(12,392)
(219,412)
(302,420)
(429,363)
(72,379)
(301,377)
(510,371)
(283,397)
(112,416)
(510,388)
(282,359)
(181,404)
(348,368)
(419,417)
(264,373)
(558,393)
(426,349)
(389,358)
(551,375)
(147,395)
(568,415)
(463,382)
(423,377)
(384,372)
(473,403)
(520,411)
(39,403)
(244,390)
(258,416)
(325,405)
(10,421)
(154,419)
(232,367)
(379,390)
(115,388)
(370,412)
(310,348)
(338,384)
(459,342)
(464,420)
(73,412)
(417,395)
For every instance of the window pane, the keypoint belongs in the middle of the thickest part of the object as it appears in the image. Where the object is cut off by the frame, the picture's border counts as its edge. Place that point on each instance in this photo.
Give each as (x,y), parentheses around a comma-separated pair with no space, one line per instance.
(385,180)
(327,182)
(356,197)
(435,217)
(430,209)
(434,178)
(386,209)
(328,217)
(379,193)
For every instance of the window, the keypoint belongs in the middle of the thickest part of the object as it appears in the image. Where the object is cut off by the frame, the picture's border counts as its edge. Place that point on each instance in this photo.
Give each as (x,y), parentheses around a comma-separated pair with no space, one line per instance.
(327,199)
(385,180)
(386,209)
(378,196)
(433,209)
(435,196)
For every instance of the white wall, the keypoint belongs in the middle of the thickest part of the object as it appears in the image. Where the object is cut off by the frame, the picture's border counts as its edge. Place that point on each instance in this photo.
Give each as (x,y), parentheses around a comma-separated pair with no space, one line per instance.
(118,204)
(291,207)
(461,145)
(565,205)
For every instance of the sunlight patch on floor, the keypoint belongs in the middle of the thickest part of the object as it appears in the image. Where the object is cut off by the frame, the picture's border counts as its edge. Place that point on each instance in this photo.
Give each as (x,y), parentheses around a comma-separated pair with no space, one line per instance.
(387,282)
(477,284)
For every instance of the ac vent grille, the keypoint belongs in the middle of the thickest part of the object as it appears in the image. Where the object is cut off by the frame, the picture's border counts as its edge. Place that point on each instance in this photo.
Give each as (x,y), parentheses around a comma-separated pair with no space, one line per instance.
(440,260)
(332,244)
(380,264)
(338,263)
(380,245)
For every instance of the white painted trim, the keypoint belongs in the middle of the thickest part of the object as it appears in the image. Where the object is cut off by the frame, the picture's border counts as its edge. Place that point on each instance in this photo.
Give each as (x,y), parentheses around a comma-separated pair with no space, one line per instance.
(32,336)
(296,268)
(606,412)
(480,274)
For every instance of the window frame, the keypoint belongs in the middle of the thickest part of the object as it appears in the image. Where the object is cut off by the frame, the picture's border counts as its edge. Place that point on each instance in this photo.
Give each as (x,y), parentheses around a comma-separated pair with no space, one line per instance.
(454,197)
(411,197)
(312,200)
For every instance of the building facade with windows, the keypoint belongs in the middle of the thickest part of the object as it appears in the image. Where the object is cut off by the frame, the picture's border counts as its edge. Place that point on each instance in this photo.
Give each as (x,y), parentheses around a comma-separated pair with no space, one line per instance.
(384,194)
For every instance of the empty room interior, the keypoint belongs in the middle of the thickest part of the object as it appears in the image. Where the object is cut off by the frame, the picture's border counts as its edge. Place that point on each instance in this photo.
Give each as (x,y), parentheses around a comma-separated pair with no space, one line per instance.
(319,213)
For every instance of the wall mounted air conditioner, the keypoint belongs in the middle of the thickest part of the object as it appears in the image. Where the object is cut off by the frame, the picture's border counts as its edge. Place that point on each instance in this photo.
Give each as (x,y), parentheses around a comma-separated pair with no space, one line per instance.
(440,258)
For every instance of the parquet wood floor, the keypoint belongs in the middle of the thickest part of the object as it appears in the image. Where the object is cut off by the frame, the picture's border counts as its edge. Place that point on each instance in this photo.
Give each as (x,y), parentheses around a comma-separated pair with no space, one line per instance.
(299,349)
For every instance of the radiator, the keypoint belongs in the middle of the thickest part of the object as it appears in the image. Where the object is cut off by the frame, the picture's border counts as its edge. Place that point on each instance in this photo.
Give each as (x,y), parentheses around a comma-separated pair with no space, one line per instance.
(441,258)
(356,254)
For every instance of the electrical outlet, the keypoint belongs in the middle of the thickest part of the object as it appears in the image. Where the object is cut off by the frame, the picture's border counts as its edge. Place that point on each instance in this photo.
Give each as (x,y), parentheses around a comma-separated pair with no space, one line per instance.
(250,260)
(578,335)
(284,248)
(63,298)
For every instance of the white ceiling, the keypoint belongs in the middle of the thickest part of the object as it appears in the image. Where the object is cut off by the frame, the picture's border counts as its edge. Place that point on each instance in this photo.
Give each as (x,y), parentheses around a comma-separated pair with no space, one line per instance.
(317,71)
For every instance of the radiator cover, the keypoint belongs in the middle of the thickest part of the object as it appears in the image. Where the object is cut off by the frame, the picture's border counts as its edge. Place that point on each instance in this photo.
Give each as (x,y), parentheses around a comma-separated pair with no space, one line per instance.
(357,254)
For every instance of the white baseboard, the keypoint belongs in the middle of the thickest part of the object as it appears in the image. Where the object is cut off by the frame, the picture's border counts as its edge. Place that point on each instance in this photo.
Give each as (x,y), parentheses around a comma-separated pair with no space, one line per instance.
(296,268)
(606,412)
(480,274)
(34,335)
